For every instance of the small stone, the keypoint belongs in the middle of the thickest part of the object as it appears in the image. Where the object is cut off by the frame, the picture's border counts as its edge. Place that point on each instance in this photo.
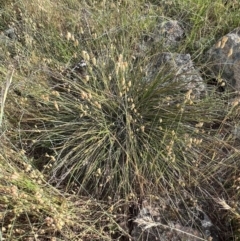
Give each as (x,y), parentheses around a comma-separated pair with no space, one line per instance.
(10,33)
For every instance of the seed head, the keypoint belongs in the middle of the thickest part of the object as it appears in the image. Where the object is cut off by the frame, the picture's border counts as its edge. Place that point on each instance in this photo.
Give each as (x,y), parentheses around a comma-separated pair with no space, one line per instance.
(85,55)
(94,61)
(142,128)
(68,36)
(76,43)
(56,105)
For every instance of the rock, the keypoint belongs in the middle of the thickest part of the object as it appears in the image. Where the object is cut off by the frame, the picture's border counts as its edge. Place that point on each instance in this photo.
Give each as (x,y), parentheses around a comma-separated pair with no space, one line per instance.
(10,33)
(149,227)
(156,221)
(207,227)
(180,67)
(7,35)
(169,33)
(148,230)
(225,58)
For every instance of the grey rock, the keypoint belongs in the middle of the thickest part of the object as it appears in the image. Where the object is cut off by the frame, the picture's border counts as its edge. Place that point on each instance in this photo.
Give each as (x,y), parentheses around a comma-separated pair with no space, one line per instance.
(225,59)
(156,221)
(148,230)
(181,69)
(169,32)
(207,227)
(149,227)
(10,33)
(7,37)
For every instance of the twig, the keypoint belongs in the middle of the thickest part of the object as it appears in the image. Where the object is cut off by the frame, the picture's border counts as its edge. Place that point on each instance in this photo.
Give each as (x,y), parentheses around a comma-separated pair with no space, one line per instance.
(4,96)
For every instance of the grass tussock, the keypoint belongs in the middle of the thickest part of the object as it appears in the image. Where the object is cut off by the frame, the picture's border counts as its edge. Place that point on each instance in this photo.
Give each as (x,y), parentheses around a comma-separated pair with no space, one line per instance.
(106,132)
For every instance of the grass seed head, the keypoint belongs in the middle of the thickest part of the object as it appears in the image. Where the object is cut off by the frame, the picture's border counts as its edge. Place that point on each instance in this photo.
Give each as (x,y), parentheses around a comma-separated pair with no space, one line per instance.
(85,55)
(94,61)
(56,105)
(68,36)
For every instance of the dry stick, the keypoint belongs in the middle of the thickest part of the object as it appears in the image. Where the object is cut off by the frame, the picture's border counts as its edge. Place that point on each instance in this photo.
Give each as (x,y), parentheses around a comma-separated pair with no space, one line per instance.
(4,96)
